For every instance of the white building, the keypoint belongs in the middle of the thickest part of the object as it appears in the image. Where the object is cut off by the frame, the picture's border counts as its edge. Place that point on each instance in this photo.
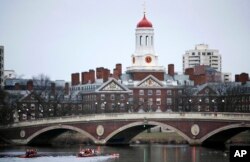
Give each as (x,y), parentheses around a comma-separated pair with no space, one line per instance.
(226,77)
(9,74)
(1,66)
(202,55)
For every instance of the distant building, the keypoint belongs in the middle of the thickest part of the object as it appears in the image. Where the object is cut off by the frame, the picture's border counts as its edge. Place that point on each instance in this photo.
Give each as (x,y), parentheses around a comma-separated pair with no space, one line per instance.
(202,74)
(226,77)
(144,87)
(9,74)
(1,67)
(60,83)
(202,55)
(243,78)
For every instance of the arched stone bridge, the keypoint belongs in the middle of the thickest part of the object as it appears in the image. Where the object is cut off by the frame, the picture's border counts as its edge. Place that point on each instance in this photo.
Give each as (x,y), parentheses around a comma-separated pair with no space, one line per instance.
(196,128)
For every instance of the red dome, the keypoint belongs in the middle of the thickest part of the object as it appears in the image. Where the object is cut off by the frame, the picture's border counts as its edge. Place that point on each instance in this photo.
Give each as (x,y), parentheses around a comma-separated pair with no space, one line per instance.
(144,23)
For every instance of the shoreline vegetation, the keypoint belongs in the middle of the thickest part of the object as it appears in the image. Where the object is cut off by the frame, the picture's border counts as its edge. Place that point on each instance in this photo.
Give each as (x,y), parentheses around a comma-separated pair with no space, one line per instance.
(155,137)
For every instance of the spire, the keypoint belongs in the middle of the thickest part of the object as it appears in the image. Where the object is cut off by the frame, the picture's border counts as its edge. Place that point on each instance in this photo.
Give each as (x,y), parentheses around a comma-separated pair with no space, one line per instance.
(144,8)
(144,22)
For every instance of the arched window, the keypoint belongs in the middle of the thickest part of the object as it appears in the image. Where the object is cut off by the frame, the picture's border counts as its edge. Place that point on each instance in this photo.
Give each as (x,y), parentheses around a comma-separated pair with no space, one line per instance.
(146,40)
(152,40)
(140,40)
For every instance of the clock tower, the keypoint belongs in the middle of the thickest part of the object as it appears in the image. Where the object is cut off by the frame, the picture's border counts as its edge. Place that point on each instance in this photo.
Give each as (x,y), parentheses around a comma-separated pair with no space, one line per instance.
(144,59)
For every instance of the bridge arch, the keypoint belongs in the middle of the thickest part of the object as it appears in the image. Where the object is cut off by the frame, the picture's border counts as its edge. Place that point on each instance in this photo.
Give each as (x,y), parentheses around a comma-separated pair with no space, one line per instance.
(55,127)
(147,125)
(221,135)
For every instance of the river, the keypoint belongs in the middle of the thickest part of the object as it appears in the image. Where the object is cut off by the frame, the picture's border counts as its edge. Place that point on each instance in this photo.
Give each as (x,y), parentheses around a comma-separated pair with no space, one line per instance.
(132,153)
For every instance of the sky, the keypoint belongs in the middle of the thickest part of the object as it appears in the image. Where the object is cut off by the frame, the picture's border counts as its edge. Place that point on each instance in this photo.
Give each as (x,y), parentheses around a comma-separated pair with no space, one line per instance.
(60,37)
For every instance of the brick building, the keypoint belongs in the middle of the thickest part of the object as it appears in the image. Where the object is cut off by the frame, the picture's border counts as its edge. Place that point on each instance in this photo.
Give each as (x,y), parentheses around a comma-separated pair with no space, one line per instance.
(145,86)
(243,78)
(202,74)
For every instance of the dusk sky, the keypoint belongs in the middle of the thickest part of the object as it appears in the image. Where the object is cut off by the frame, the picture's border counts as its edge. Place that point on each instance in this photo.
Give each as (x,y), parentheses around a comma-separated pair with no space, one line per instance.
(60,37)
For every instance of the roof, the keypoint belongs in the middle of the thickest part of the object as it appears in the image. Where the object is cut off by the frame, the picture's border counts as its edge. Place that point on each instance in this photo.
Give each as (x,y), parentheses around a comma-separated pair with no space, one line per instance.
(144,23)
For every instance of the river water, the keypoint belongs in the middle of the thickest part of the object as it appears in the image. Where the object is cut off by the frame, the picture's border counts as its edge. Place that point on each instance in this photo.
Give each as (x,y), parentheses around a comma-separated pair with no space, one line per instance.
(132,153)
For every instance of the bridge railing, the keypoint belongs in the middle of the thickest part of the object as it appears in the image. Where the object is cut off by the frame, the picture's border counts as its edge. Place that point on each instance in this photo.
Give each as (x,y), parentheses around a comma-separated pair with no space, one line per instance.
(135,116)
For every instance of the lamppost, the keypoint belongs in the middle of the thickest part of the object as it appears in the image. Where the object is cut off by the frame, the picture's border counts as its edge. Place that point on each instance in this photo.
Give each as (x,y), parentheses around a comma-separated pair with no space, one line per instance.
(222,105)
(96,104)
(118,110)
(127,107)
(189,104)
(213,104)
(27,113)
(199,106)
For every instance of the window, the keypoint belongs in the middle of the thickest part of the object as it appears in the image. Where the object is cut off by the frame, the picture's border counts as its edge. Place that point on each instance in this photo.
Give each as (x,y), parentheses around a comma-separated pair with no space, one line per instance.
(206,100)
(102,96)
(158,101)
(150,101)
(146,40)
(150,92)
(122,97)
(180,100)
(24,117)
(140,40)
(122,106)
(141,92)
(40,115)
(79,107)
(199,108)
(112,97)
(169,101)
(141,101)
(169,92)
(179,92)
(32,116)
(32,106)
(158,92)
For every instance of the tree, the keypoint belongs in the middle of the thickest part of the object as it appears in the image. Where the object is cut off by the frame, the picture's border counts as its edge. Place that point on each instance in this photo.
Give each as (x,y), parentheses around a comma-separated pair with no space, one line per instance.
(7,107)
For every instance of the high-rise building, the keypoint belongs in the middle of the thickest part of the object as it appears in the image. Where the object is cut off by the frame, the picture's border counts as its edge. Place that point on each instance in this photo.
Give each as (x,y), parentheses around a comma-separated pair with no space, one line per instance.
(202,55)
(1,66)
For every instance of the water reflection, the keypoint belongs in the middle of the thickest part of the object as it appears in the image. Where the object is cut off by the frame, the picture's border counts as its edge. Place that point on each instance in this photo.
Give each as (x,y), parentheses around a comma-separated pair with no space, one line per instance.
(175,153)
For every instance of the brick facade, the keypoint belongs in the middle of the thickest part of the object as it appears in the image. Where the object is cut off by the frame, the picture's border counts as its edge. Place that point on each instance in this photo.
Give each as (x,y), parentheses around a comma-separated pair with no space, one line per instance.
(142,75)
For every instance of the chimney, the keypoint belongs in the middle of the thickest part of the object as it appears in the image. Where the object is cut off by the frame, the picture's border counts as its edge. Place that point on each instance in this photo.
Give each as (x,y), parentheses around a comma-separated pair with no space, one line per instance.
(75,79)
(99,72)
(106,73)
(119,70)
(85,77)
(243,77)
(115,74)
(66,88)
(92,76)
(171,69)
(53,88)
(30,85)
(189,71)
